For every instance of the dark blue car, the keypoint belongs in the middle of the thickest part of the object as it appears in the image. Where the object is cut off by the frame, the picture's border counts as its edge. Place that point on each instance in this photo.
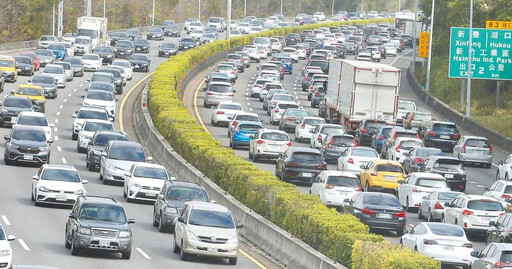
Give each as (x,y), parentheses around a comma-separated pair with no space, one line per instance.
(380,136)
(244,133)
(286,62)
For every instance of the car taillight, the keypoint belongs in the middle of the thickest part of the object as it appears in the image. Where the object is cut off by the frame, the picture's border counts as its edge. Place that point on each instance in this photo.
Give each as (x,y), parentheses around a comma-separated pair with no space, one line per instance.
(233,123)
(220,112)
(356,144)
(322,166)
(501,264)
(276,110)
(359,188)
(329,145)
(306,77)
(432,133)
(292,164)
(317,93)
(231,95)
(363,130)
(319,138)
(505,196)
(289,144)
(467,212)
(418,160)
(350,160)
(438,206)
(259,141)
(380,137)
(400,214)
(329,186)
(303,126)
(290,119)
(490,150)
(415,190)
(456,136)
(429,242)
(210,93)
(367,211)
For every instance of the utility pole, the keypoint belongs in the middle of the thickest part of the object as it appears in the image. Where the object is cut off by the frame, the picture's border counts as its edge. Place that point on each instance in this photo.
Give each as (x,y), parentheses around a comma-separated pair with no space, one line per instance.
(228,24)
(104,8)
(468,94)
(399,5)
(332,8)
(245,8)
(53,21)
(199,13)
(427,87)
(153,16)
(415,35)
(461,95)
(60,20)
(281,6)
(88,8)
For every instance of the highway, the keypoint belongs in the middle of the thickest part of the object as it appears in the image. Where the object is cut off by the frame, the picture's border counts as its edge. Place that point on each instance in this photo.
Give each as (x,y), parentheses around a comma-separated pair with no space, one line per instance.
(478,178)
(40,230)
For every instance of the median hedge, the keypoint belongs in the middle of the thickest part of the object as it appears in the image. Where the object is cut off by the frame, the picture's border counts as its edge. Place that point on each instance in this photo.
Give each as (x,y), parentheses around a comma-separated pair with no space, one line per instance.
(304,216)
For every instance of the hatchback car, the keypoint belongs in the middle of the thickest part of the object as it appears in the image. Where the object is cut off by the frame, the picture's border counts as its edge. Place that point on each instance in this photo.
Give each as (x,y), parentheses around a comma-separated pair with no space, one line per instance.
(291,117)
(494,255)
(224,113)
(299,164)
(98,223)
(381,175)
(169,202)
(144,181)
(432,206)
(414,159)
(367,128)
(334,145)
(333,187)
(304,129)
(117,159)
(268,144)
(500,230)
(416,186)
(501,190)
(57,184)
(218,92)
(321,131)
(380,136)
(413,119)
(443,135)
(473,212)
(27,144)
(243,133)
(474,150)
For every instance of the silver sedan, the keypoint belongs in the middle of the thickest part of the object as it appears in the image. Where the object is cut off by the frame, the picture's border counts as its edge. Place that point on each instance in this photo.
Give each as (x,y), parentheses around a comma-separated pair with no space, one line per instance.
(432,206)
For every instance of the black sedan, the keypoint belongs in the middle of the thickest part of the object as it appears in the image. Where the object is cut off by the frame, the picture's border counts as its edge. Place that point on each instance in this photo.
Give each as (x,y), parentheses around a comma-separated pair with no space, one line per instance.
(47,83)
(172,30)
(12,106)
(299,164)
(155,33)
(377,210)
(140,62)
(116,36)
(351,48)
(27,144)
(24,65)
(106,53)
(133,34)
(167,49)
(141,45)
(367,128)
(187,43)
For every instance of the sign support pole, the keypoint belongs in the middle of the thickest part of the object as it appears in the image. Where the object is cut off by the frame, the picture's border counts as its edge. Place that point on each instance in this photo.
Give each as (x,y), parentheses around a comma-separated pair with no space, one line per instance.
(427,87)
(468,94)
(498,93)
(462,94)
(415,35)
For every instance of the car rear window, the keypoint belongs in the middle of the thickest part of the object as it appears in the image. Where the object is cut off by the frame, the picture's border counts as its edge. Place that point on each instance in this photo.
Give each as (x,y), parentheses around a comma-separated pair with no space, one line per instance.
(506,257)
(373,126)
(298,112)
(429,152)
(478,143)
(307,157)
(343,181)
(445,230)
(283,97)
(447,196)
(364,153)
(389,168)
(508,189)
(411,144)
(249,127)
(314,122)
(485,205)
(346,141)
(230,106)
(444,128)
(286,106)
(421,116)
(219,88)
(274,136)
(448,164)
(332,130)
(381,200)
(247,118)
(431,183)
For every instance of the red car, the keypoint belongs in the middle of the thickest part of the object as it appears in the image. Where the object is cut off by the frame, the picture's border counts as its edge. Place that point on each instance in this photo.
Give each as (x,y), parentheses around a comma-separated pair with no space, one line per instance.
(35,59)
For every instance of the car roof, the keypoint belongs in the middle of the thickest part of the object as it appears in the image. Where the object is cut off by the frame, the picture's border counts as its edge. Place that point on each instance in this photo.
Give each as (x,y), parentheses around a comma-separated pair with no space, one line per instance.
(250,122)
(125,143)
(430,175)
(475,137)
(187,184)
(96,120)
(503,246)
(59,166)
(93,108)
(32,114)
(97,199)
(339,173)
(199,205)
(146,164)
(382,161)
(303,149)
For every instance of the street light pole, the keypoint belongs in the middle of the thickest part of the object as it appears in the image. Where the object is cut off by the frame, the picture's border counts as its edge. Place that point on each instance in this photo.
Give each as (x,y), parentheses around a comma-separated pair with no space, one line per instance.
(399,5)
(60,19)
(199,11)
(281,6)
(104,8)
(88,8)
(427,87)
(53,21)
(228,24)
(468,93)
(332,8)
(153,16)
(245,8)
(415,35)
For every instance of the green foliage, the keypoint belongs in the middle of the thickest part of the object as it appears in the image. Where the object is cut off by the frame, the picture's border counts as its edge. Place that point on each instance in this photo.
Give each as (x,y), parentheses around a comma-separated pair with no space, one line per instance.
(301,215)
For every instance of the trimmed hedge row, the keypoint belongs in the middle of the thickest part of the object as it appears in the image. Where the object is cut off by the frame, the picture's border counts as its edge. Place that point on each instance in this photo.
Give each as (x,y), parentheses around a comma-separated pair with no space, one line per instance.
(304,216)
(384,255)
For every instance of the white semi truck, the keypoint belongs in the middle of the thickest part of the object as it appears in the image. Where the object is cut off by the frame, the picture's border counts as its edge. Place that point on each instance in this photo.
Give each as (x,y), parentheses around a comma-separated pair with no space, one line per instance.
(93,27)
(359,90)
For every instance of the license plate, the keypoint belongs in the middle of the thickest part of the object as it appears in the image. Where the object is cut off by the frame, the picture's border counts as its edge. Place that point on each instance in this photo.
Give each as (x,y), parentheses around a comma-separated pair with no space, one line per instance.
(122,53)
(482,152)
(384,216)
(343,192)
(137,48)
(61,198)
(444,137)
(449,248)
(307,174)
(167,53)
(154,36)
(136,66)
(150,194)
(104,243)
(389,178)
(212,249)
(28,157)
(448,176)
(485,220)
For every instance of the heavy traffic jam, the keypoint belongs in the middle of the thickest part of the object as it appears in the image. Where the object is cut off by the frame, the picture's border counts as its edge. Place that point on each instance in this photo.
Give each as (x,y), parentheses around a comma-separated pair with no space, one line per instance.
(345,134)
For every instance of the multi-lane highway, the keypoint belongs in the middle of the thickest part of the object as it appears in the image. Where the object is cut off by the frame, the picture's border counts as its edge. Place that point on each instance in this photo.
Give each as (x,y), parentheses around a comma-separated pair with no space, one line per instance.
(478,178)
(40,230)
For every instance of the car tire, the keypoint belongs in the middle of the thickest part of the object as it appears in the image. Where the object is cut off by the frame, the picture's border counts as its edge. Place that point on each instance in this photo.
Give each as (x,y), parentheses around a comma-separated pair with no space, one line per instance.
(399,232)
(74,136)
(430,217)
(420,216)
(250,154)
(32,198)
(90,167)
(232,261)
(124,194)
(183,255)
(407,208)
(506,177)
(74,250)
(176,249)
(127,255)
(367,187)
(66,242)
(488,165)
(443,220)
(161,228)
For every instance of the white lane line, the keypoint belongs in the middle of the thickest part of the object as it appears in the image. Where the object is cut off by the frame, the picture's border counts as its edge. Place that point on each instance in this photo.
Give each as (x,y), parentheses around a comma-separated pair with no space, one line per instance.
(59,148)
(396,59)
(81,85)
(247,98)
(64,160)
(75,90)
(472,182)
(55,129)
(6,221)
(249,104)
(58,113)
(146,256)
(69,94)
(61,106)
(23,244)
(56,120)
(65,100)
(480,186)
(250,108)
(56,138)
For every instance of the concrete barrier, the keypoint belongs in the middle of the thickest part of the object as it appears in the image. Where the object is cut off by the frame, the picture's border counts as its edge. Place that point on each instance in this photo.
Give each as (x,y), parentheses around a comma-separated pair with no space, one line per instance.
(476,128)
(278,243)
(18,46)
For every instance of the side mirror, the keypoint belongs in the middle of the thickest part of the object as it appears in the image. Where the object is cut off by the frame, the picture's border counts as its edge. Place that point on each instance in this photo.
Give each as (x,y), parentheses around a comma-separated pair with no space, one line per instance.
(35,178)
(103,154)
(508,200)
(13,91)
(149,158)
(181,219)
(239,225)
(83,96)
(73,115)
(486,189)
(88,80)
(447,204)
(500,162)
(160,197)
(492,223)
(424,198)
(50,141)
(11,238)
(130,221)
(73,215)
(85,181)
(346,201)
(474,254)
(7,137)
(406,231)
(362,166)
(400,181)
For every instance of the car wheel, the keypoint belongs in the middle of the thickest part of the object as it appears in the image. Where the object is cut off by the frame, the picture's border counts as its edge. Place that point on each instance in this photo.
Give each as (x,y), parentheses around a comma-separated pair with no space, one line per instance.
(124,194)
(366,187)
(161,227)
(443,219)
(420,216)
(250,154)
(498,175)
(488,165)
(32,196)
(183,255)
(407,208)
(430,217)
(255,158)
(506,176)
(66,242)
(74,136)
(232,261)
(90,166)
(175,249)
(74,250)
(127,255)
(399,232)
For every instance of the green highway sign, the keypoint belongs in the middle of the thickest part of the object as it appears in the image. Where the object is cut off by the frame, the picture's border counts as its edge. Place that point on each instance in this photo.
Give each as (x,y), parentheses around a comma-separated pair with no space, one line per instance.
(491,54)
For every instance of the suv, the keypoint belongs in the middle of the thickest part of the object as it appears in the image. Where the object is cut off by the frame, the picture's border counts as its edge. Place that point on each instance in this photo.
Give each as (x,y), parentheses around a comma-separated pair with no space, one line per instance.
(97,145)
(364,134)
(497,254)
(299,164)
(117,159)
(27,144)
(98,222)
(413,119)
(438,134)
(451,168)
(12,106)
(206,229)
(474,149)
(170,201)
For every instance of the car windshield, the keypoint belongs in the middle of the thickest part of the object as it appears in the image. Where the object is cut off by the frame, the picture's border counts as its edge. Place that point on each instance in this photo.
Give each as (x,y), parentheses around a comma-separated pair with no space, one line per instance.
(103,212)
(168,46)
(141,42)
(411,144)
(133,32)
(90,114)
(38,52)
(429,152)
(187,194)
(187,40)
(102,140)
(307,157)
(421,116)
(36,135)
(60,175)
(101,87)
(247,118)
(249,127)
(124,44)
(485,205)
(332,130)
(286,106)
(32,120)
(47,38)
(298,112)
(56,47)
(127,153)
(381,200)
(122,64)
(54,70)
(150,172)
(445,230)
(444,128)
(4,63)
(322,64)
(24,60)
(284,97)
(313,122)
(406,106)
(373,126)
(138,58)
(28,91)
(93,57)
(447,196)
(17,102)
(342,181)
(119,34)
(275,136)
(92,126)
(66,66)
(431,183)
(219,88)
(230,106)
(389,168)
(211,219)
(100,95)
(103,49)
(83,41)
(478,143)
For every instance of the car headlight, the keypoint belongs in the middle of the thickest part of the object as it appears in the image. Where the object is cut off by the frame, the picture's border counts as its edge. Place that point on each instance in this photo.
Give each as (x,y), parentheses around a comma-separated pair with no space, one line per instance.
(84,230)
(233,240)
(137,185)
(27,68)
(4,110)
(12,146)
(80,192)
(125,234)
(87,137)
(43,189)
(171,210)
(192,236)
(44,148)
(110,166)
(4,253)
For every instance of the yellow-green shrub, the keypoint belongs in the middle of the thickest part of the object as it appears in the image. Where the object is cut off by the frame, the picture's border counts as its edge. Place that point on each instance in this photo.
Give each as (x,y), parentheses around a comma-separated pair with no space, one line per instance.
(301,215)
(384,255)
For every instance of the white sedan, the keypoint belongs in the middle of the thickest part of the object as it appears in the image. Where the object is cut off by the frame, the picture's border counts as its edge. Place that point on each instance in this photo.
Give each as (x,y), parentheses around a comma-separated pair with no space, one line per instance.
(292,52)
(101,99)
(5,248)
(446,243)
(30,118)
(418,185)
(144,181)
(89,128)
(92,62)
(353,158)
(224,113)
(505,169)
(334,187)
(268,144)
(57,184)
(128,69)
(402,146)
(390,49)
(304,130)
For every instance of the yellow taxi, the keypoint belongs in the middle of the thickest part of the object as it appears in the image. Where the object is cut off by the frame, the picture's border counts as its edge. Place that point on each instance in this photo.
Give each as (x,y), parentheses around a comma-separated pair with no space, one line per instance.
(8,68)
(35,93)
(381,175)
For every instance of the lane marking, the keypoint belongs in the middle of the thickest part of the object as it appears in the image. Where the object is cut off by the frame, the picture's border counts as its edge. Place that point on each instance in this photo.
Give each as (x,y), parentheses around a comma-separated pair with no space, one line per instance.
(75,90)
(23,244)
(7,222)
(396,59)
(252,259)
(146,256)
(61,106)
(56,120)
(56,138)
(472,182)
(121,107)
(55,129)
(69,94)
(81,85)
(196,110)
(59,148)
(65,100)
(64,160)
(480,186)
(58,113)
(250,108)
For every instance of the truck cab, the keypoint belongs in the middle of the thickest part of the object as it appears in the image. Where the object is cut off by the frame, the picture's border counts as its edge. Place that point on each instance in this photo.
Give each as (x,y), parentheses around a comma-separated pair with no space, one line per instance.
(93,27)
